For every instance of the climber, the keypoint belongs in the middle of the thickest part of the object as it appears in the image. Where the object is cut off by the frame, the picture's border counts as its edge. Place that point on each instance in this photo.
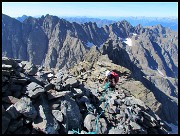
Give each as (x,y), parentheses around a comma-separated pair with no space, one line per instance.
(112,77)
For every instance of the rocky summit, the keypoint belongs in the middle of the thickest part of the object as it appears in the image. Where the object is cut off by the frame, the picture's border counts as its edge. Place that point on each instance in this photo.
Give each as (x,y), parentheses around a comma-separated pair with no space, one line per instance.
(73,101)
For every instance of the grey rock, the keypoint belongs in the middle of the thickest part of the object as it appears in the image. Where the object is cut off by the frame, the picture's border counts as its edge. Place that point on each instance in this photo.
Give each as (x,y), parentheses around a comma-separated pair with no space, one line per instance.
(15,124)
(71,112)
(78,91)
(6,90)
(34,131)
(5,122)
(70,132)
(48,87)
(43,80)
(117,102)
(83,132)
(54,106)
(6,105)
(111,110)
(19,81)
(13,112)
(116,131)
(71,82)
(59,75)
(84,99)
(135,126)
(9,99)
(121,96)
(52,94)
(132,101)
(15,88)
(6,73)
(6,67)
(45,121)
(65,76)
(25,107)
(33,90)
(9,61)
(58,87)
(3,110)
(22,130)
(27,121)
(123,107)
(90,124)
(58,115)
(57,83)
(149,117)
(30,68)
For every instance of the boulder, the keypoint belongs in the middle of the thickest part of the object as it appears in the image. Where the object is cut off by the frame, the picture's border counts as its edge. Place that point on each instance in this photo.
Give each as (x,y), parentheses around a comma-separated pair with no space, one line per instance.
(15,124)
(13,112)
(33,90)
(5,122)
(52,94)
(29,68)
(116,131)
(25,107)
(71,82)
(45,121)
(49,86)
(58,115)
(9,61)
(90,124)
(71,112)
(10,99)
(135,126)
(22,130)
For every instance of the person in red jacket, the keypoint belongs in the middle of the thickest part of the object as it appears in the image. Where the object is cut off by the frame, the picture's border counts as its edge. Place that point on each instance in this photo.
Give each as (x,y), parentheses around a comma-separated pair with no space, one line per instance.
(112,77)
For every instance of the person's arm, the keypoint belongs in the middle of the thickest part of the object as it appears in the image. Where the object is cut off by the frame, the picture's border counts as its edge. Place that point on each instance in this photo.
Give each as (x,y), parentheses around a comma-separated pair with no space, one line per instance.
(105,80)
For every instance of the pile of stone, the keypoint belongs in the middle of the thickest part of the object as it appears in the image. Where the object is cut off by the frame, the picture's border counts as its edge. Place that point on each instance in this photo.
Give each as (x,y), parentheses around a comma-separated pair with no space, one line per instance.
(37,101)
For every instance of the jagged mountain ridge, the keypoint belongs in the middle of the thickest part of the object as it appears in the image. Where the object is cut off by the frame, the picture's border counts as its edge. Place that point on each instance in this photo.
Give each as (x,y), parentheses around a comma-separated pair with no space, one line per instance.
(58,43)
(171,22)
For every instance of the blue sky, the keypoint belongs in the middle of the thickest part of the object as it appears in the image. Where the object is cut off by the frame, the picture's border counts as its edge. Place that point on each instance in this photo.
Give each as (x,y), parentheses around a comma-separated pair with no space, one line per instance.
(91,9)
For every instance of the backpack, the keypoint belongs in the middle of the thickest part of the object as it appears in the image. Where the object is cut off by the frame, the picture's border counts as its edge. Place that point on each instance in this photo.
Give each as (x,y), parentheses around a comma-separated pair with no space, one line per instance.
(115,75)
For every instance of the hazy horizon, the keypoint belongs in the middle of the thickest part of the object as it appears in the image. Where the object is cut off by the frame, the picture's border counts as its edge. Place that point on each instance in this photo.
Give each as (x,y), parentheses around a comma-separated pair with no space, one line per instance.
(103,10)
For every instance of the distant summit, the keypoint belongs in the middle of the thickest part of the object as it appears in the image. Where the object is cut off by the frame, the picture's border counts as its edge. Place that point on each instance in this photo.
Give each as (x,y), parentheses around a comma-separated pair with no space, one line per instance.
(21,19)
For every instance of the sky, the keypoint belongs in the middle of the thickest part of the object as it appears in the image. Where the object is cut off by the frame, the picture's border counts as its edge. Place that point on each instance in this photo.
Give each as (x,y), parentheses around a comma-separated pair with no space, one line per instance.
(91,9)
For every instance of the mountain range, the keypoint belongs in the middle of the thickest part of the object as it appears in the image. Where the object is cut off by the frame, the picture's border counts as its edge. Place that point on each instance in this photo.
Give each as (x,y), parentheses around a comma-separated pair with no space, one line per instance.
(171,22)
(150,53)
